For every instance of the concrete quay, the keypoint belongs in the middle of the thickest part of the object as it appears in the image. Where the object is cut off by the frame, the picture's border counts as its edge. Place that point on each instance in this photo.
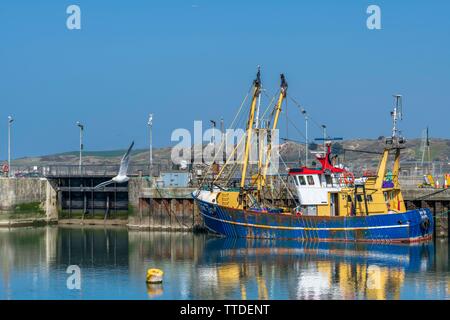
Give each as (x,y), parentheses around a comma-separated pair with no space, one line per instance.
(31,201)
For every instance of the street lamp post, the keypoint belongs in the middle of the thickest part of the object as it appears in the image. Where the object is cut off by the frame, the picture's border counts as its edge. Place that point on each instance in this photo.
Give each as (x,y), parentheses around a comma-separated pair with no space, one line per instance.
(10,121)
(81,126)
(150,126)
(213,138)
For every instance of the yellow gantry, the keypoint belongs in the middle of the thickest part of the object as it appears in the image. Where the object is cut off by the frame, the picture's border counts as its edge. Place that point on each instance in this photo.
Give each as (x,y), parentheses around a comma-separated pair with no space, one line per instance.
(281,98)
(256,91)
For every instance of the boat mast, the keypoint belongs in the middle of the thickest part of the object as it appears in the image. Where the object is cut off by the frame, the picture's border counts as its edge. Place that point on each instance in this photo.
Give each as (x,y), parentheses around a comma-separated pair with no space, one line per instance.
(258,106)
(259,145)
(250,123)
(283,91)
(396,141)
(397,114)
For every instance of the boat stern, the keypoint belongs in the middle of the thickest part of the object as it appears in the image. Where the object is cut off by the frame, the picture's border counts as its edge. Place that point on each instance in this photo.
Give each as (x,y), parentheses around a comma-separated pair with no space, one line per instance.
(421,224)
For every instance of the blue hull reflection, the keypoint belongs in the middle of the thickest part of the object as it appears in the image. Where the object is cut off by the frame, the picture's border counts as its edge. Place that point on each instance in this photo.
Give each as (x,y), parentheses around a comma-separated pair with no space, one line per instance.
(412,257)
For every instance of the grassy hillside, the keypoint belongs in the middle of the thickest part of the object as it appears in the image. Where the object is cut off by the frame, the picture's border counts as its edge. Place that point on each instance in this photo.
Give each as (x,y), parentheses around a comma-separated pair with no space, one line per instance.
(440,151)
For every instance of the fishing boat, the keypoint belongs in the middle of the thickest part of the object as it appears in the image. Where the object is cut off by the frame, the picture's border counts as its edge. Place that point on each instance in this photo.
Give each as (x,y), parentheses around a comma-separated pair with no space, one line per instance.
(328,203)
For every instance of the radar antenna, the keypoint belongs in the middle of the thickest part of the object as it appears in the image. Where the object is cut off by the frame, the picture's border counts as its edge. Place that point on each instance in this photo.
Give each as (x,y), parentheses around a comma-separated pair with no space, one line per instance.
(397,115)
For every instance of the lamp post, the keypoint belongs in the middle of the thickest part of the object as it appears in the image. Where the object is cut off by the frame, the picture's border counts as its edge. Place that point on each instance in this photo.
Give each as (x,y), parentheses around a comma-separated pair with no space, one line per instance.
(10,121)
(306,136)
(222,131)
(213,139)
(81,126)
(150,126)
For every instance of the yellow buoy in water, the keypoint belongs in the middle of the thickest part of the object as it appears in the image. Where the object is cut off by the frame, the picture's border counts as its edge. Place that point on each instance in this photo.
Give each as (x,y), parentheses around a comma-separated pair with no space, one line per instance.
(154,276)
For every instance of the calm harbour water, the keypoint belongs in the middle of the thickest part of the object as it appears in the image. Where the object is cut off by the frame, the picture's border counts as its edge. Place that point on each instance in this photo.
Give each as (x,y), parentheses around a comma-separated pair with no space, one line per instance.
(113,262)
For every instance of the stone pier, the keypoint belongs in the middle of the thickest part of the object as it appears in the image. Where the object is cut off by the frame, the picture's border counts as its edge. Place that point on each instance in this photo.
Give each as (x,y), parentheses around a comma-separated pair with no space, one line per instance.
(27,201)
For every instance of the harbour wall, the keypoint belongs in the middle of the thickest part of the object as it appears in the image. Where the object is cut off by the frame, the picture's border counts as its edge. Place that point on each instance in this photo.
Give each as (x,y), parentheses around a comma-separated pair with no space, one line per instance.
(171,209)
(27,200)
(437,200)
(156,208)
(14,192)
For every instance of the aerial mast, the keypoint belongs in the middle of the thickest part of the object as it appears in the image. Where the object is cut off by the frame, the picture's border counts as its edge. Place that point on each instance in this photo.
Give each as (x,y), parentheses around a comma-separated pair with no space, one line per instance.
(397,115)
(396,141)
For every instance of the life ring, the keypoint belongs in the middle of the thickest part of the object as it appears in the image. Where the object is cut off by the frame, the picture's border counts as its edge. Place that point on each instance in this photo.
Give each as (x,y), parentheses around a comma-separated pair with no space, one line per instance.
(425,224)
(348,178)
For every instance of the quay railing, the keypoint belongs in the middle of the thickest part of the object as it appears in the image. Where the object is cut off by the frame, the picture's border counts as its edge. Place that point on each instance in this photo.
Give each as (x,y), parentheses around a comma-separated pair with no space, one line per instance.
(74,170)
(58,170)
(97,170)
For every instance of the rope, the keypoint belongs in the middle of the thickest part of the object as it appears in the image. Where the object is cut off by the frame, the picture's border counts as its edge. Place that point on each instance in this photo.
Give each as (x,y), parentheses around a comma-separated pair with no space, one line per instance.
(229,158)
(241,140)
(231,126)
(287,118)
(287,188)
(309,116)
(442,214)
(429,195)
(269,107)
(296,128)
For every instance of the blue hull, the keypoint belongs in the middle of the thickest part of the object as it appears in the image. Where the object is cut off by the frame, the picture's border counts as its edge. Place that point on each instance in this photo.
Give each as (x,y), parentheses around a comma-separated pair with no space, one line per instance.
(411,226)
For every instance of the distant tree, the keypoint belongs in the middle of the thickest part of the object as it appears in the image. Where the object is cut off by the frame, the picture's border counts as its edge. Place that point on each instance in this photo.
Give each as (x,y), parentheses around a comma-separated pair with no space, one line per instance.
(313,146)
(380,138)
(337,148)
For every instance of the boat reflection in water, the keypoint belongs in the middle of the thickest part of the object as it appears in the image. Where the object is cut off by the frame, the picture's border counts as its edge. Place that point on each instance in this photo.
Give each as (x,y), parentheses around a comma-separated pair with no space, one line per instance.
(114,264)
(314,270)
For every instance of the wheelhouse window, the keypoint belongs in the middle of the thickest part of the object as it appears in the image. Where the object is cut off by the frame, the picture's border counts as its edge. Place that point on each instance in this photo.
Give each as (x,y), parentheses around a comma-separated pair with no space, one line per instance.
(310,180)
(328,179)
(302,181)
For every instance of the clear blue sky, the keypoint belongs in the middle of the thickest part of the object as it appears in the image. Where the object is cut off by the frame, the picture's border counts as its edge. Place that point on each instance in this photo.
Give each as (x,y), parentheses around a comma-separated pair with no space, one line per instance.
(194,60)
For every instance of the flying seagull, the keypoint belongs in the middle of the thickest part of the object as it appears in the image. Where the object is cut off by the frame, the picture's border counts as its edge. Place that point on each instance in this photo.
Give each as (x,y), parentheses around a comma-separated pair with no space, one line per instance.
(122,176)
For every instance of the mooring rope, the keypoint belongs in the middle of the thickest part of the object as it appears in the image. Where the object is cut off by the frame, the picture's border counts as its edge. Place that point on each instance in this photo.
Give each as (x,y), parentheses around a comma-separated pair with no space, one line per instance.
(429,195)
